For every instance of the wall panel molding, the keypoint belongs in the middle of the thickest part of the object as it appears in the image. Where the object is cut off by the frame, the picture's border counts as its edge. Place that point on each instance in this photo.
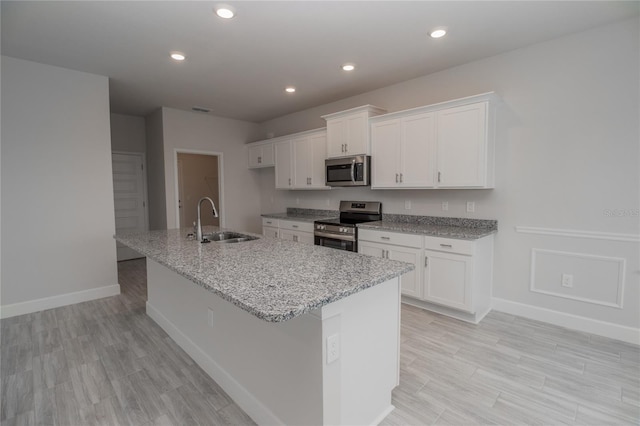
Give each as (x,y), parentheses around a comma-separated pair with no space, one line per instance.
(576,233)
(615,264)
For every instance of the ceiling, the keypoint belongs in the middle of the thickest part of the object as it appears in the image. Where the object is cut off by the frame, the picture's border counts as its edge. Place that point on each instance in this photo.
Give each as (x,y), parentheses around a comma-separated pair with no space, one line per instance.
(239,68)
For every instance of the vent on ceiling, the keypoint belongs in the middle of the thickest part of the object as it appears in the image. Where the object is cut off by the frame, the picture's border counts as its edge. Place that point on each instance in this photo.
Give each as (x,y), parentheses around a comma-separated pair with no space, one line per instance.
(200,109)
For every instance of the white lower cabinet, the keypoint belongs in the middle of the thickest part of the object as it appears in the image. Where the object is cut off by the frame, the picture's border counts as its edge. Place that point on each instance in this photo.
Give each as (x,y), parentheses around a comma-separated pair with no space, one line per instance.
(447,279)
(452,277)
(300,232)
(407,248)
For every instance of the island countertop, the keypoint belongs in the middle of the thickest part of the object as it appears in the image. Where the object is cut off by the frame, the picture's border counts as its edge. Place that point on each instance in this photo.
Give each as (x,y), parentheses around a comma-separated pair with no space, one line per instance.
(273,279)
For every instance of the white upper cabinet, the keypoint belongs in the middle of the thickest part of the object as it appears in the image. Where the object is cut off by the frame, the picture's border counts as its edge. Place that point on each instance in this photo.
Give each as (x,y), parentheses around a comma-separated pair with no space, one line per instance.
(348,131)
(261,155)
(284,159)
(448,145)
(403,152)
(300,161)
(463,147)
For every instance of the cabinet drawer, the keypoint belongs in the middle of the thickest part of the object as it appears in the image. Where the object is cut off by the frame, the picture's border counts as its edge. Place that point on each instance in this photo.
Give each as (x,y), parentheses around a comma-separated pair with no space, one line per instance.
(296,226)
(266,221)
(450,245)
(407,240)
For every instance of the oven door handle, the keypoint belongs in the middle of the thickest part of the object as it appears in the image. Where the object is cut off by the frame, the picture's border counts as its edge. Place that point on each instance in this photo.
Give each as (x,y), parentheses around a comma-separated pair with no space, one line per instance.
(353,171)
(334,236)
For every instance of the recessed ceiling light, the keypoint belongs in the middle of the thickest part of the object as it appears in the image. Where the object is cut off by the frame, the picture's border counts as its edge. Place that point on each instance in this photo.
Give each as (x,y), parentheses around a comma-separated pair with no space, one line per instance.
(348,67)
(178,56)
(290,89)
(438,33)
(225,12)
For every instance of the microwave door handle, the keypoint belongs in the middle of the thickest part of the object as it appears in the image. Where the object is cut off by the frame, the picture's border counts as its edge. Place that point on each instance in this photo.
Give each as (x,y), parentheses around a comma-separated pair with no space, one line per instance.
(353,170)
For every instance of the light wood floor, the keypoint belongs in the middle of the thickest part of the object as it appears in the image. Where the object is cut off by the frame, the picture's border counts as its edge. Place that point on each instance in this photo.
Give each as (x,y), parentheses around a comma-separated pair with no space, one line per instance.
(106,362)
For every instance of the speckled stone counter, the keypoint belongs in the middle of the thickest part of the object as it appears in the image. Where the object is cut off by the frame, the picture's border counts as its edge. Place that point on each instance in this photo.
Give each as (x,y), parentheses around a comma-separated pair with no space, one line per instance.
(303,215)
(446,227)
(273,279)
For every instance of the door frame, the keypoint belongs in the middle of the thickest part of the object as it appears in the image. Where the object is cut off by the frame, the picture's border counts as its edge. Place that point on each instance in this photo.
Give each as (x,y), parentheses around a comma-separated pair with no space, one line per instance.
(143,157)
(221,208)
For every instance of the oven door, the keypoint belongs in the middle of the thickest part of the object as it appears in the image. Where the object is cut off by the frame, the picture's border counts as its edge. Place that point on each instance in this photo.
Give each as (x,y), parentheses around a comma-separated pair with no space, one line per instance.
(327,241)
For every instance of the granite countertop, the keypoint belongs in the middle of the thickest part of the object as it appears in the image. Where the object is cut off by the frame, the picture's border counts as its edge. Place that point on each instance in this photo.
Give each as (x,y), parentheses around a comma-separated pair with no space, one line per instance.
(303,215)
(458,228)
(273,279)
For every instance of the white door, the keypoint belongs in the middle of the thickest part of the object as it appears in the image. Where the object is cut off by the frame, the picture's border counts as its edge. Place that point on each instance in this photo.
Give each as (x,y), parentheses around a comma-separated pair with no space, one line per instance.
(462,146)
(447,279)
(283,164)
(301,155)
(385,154)
(411,283)
(129,198)
(418,151)
(318,149)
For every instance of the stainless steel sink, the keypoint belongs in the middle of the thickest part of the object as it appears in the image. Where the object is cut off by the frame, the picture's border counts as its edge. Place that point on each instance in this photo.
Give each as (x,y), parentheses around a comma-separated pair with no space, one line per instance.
(228,237)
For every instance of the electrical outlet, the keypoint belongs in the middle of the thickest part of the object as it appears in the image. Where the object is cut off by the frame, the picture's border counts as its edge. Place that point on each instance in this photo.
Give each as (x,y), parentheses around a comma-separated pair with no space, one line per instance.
(471,207)
(567,280)
(333,348)
(445,206)
(407,205)
(210,317)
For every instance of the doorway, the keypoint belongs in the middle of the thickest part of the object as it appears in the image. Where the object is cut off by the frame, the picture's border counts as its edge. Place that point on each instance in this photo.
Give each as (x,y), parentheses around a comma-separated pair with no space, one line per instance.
(129,197)
(199,175)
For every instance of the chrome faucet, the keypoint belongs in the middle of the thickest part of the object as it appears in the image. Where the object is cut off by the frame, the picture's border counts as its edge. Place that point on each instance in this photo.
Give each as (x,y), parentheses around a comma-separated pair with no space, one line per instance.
(199,224)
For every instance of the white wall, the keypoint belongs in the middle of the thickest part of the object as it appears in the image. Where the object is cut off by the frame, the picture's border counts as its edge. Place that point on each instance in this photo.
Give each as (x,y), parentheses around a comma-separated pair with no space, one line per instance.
(57,190)
(128,133)
(156,193)
(190,131)
(567,153)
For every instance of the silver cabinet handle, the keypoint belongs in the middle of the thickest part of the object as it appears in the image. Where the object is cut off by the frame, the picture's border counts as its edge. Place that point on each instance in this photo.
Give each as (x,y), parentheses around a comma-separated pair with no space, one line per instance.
(346,147)
(426,262)
(446,245)
(268,222)
(294,226)
(289,181)
(400,177)
(259,160)
(396,178)
(439,174)
(385,238)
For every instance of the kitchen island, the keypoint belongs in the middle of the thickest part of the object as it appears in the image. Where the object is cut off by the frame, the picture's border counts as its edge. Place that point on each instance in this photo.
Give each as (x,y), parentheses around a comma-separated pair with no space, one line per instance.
(295,334)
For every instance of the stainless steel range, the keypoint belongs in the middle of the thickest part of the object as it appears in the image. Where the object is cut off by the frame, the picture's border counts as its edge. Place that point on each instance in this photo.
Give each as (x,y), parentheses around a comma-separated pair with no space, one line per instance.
(341,233)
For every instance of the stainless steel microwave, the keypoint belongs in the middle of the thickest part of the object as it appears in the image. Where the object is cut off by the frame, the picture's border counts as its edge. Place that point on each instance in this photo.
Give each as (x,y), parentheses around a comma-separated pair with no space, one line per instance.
(348,171)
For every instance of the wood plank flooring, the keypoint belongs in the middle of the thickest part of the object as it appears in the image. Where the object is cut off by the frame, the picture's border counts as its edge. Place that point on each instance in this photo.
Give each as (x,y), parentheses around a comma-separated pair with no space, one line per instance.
(105,362)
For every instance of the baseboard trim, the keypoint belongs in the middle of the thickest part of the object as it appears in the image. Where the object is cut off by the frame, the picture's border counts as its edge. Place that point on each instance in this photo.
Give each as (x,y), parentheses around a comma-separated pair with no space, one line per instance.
(21,308)
(575,322)
(241,396)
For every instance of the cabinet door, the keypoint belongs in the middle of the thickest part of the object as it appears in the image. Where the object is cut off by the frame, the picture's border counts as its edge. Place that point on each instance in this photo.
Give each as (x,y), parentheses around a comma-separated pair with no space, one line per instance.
(335,137)
(283,164)
(370,249)
(255,156)
(267,155)
(305,238)
(269,231)
(318,153)
(286,234)
(447,279)
(385,154)
(411,283)
(301,155)
(357,134)
(462,146)
(418,153)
